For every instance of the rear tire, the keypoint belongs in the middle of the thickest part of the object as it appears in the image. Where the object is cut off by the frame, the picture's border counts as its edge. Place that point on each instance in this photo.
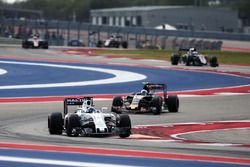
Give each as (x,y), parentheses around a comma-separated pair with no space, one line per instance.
(173,103)
(125,126)
(55,123)
(73,121)
(117,103)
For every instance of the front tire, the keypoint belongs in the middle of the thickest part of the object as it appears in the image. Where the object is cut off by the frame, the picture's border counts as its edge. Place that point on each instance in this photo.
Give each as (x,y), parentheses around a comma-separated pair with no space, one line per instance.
(175,59)
(55,123)
(157,104)
(125,126)
(73,121)
(214,61)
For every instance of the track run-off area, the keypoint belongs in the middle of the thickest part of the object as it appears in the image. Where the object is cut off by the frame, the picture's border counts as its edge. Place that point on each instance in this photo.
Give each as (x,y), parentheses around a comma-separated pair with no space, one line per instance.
(211,128)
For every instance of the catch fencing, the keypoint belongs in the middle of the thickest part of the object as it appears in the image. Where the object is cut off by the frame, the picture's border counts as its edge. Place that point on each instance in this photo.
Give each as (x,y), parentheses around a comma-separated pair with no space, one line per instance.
(61,32)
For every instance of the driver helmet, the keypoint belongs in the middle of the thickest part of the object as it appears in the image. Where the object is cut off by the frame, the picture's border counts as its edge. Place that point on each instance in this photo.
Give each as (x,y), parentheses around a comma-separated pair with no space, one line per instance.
(90,110)
(192,50)
(144,92)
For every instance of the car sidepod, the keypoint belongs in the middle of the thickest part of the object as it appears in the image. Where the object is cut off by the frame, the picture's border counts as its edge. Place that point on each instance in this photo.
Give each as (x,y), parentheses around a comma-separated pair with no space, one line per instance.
(202,59)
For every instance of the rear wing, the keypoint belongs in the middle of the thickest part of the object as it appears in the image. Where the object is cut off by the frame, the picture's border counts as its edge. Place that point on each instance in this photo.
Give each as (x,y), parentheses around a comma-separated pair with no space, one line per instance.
(152,86)
(183,49)
(76,101)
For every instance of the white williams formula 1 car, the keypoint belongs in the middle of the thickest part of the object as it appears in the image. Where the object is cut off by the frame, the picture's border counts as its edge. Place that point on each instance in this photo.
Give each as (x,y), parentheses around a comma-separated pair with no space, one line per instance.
(88,121)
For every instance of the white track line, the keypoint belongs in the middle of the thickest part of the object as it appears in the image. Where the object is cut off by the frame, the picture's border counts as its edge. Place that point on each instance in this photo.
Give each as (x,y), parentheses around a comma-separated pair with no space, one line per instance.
(56,162)
(119,76)
(2,71)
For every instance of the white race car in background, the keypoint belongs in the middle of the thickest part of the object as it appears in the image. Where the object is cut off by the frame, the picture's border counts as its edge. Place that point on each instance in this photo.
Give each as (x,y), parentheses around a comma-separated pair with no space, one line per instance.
(192,57)
(114,41)
(88,121)
(35,42)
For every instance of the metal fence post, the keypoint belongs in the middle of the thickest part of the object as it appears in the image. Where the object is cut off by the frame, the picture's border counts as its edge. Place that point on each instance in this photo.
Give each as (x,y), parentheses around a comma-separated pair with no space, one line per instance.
(78,30)
(68,32)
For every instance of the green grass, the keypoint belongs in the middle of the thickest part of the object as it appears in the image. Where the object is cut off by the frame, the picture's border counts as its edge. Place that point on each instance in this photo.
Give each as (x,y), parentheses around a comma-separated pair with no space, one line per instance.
(227,57)
(224,57)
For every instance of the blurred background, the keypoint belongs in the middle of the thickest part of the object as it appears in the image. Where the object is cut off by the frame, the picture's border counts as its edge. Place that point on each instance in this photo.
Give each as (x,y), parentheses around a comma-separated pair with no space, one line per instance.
(160,24)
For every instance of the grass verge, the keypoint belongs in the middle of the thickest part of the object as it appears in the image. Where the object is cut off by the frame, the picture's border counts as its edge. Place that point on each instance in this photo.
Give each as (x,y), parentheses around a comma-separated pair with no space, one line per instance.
(224,57)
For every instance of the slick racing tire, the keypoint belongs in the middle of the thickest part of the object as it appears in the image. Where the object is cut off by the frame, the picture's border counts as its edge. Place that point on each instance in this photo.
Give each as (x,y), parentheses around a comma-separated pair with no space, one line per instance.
(124,44)
(117,103)
(25,45)
(73,121)
(175,59)
(125,126)
(173,103)
(99,44)
(214,61)
(55,123)
(157,104)
(45,45)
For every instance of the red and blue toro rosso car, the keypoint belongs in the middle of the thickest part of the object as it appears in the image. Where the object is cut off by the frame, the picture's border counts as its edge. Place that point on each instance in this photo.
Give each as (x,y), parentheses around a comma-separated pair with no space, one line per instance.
(147,101)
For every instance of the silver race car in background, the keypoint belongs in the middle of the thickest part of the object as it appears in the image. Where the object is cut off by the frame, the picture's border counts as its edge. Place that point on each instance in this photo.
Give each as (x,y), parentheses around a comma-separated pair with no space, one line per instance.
(192,57)
(147,101)
(35,42)
(88,121)
(114,41)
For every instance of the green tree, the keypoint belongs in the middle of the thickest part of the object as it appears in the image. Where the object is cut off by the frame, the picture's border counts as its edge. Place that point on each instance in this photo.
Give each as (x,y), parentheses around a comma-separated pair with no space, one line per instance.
(243,6)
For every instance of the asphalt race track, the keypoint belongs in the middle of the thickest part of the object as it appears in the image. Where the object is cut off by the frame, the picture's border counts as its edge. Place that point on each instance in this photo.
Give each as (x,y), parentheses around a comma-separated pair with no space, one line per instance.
(209,130)
(51,79)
